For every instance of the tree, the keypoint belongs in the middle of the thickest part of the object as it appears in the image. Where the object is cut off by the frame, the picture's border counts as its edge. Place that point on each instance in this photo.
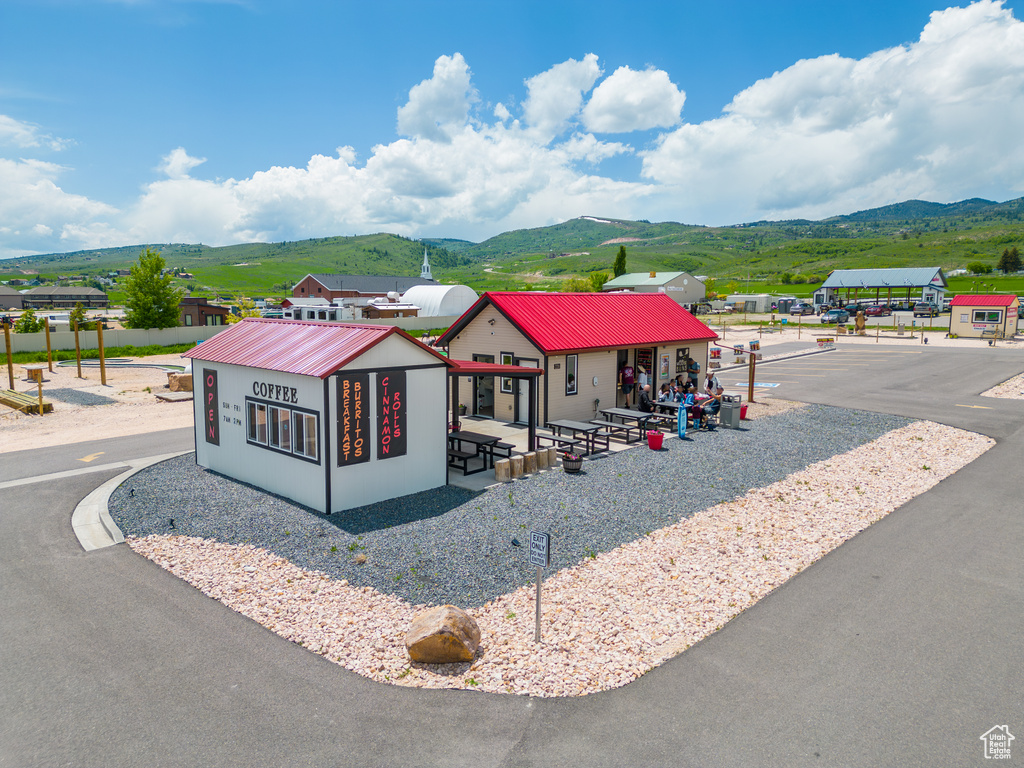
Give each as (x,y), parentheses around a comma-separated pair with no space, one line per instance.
(597,280)
(978,268)
(29,323)
(619,267)
(77,315)
(151,298)
(577,285)
(248,309)
(1009,261)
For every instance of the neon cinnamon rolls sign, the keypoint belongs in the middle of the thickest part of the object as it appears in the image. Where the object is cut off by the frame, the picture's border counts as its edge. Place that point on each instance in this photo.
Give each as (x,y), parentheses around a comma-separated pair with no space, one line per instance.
(391,415)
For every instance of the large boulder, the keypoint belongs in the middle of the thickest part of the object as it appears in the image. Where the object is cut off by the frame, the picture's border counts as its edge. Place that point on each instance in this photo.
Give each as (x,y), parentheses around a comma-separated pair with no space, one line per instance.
(179,382)
(442,635)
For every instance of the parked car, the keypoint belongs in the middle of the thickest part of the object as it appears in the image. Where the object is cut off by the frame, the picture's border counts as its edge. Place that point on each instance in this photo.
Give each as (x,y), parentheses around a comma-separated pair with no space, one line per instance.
(835,316)
(877,310)
(853,309)
(925,309)
(801,308)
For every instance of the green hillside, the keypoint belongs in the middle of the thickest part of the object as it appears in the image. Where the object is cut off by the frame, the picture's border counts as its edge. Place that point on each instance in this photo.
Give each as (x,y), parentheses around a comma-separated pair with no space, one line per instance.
(755,255)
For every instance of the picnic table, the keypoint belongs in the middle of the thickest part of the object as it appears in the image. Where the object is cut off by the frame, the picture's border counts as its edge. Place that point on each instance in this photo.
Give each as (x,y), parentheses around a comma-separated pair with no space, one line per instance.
(628,416)
(590,432)
(459,458)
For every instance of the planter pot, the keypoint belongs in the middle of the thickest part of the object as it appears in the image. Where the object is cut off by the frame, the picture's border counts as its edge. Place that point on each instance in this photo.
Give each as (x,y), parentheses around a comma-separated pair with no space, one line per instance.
(654,440)
(462,410)
(572,466)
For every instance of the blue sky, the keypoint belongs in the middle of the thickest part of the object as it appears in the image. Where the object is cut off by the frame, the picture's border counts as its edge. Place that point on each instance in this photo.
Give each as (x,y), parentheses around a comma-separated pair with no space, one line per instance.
(138,121)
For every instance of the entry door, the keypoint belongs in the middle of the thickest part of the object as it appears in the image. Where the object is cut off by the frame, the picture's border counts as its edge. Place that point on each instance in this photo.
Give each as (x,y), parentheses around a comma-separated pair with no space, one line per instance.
(523,390)
(483,390)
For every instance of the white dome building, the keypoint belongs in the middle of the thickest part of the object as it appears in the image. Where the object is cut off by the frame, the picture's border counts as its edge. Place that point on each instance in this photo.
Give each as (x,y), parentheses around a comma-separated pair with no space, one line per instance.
(440,300)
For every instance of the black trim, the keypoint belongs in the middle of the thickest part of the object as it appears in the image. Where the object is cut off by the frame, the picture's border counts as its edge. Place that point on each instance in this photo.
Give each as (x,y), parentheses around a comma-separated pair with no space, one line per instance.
(501,383)
(576,375)
(327,448)
(546,398)
(268,446)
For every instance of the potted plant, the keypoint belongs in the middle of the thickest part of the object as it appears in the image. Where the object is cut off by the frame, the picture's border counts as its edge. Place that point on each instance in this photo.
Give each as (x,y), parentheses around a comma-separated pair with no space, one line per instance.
(462,409)
(654,438)
(572,463)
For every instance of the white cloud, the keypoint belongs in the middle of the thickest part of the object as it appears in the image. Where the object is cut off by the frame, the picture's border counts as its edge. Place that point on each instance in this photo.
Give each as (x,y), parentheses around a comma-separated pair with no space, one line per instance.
(935,119)
(629,100)
(439,104)
(556,95)
(26,136)
(177,164)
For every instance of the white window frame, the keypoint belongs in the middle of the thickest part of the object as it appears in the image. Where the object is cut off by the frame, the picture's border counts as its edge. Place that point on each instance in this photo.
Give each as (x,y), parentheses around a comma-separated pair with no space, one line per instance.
(572,371)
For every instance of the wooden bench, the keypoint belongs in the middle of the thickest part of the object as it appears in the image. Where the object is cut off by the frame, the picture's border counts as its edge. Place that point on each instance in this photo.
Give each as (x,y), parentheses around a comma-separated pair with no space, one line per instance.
(23,401)
(460,460)
(615,429)
(504,450)
(992,333)
(565,444)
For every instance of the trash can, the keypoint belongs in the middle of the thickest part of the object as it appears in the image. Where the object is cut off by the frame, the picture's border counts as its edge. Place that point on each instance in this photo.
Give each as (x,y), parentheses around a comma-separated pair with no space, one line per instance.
(729,416)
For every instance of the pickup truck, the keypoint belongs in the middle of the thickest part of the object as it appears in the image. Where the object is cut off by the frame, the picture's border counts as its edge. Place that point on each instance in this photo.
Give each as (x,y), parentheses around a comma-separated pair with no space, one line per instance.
(925,309)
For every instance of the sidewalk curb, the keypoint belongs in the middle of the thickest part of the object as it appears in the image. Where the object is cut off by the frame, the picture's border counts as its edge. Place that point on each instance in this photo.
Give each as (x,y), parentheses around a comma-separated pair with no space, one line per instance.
(91,521)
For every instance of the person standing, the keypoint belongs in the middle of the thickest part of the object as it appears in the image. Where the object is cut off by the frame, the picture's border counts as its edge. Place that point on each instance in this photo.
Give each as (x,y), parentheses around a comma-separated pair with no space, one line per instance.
(711,384)
(692,371)
(626,381)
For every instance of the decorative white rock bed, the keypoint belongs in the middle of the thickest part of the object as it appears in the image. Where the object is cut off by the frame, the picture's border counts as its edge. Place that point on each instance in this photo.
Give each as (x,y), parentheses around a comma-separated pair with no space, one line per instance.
(609,619)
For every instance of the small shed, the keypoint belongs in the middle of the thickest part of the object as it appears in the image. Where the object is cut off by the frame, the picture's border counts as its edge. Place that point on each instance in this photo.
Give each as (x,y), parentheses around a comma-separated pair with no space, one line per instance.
(981,316)
(681,287)
(330,416)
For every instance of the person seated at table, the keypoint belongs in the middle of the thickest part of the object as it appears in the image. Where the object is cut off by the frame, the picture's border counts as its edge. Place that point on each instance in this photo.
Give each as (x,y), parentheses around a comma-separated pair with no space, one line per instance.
(710,407)
(690,405)
(664,396)
(645,404)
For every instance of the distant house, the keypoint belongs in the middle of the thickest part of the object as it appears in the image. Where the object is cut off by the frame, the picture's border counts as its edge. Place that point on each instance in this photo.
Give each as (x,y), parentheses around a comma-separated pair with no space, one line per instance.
(65,298)
(681,287)
(10,298)
(197,310)
(382,308)
(980,316)
(336,287)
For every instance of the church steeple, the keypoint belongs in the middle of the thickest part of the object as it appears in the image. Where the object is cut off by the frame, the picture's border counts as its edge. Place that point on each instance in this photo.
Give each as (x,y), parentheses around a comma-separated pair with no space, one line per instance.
(425,271)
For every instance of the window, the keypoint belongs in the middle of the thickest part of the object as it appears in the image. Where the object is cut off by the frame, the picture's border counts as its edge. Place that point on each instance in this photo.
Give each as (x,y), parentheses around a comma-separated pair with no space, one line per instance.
(282,430)
(507,358)
(256,422)
(188,319)
(988,315)
(571,370)
(304,427)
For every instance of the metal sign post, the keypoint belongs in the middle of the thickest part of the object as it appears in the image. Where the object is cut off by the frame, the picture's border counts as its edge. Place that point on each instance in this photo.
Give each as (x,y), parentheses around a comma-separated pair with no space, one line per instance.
(540,556)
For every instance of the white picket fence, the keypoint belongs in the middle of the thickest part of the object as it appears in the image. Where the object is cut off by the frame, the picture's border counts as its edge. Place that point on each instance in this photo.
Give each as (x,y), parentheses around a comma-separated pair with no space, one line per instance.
(36,342)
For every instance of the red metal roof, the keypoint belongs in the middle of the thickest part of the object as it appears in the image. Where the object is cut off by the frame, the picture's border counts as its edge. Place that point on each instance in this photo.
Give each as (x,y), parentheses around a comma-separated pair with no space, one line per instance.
(291,346)
(970,300)
(563,322)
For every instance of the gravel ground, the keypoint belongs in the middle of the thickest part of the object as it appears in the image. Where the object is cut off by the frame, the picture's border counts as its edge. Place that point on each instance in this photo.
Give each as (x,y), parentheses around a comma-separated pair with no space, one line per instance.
(611,617)
(453,546)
